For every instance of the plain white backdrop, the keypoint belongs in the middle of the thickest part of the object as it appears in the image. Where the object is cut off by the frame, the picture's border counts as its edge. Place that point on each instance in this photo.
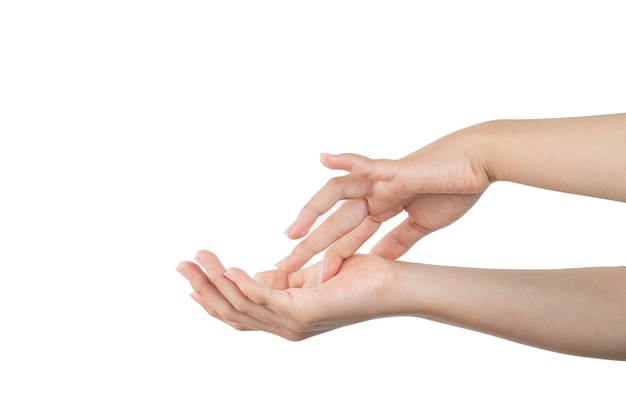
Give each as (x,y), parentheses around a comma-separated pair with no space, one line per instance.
(134,133)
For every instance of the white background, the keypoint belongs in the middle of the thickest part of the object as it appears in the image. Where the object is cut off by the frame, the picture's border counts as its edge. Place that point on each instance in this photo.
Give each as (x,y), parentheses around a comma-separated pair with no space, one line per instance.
(134,133)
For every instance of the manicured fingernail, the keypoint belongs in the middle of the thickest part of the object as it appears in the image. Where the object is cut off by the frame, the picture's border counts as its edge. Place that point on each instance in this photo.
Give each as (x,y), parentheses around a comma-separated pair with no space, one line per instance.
(323,278)
(323,154)
(230,276)
(280,264)
(288,230)
(181,270)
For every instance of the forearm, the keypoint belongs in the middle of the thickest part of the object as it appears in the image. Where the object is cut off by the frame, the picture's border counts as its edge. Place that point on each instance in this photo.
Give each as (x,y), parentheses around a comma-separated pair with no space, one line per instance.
(581,155)
(576,311)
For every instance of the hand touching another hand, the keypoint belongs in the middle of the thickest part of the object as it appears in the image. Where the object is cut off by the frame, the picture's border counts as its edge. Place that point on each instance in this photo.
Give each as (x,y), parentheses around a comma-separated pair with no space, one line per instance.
(586,305)
(435,186)
(298,305)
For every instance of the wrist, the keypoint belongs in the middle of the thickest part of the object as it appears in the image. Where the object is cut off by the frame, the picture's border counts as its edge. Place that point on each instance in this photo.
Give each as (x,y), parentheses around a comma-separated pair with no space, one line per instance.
(481,145)
(412,289)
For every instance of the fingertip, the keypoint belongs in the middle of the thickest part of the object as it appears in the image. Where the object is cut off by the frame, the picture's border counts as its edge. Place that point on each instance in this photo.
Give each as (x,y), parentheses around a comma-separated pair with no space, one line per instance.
(330,268)
(301,226)
(332,161)
(292,263)
(203,255)
(289,264)
(288,230)
(186,269)
(236,275)
(181,267)
(230,276)
(202,303)
(327,275)
(324,277)
(377,249)
(280,265)
(345,161)
(383,250)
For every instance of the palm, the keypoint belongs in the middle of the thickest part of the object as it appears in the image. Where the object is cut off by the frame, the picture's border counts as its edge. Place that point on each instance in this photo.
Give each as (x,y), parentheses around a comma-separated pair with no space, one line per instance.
(356,293)
(359,270)
(297,305)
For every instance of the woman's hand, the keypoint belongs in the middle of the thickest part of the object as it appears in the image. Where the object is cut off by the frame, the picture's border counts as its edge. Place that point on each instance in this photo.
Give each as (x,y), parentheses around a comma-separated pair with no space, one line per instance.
(298,305)
(435,186)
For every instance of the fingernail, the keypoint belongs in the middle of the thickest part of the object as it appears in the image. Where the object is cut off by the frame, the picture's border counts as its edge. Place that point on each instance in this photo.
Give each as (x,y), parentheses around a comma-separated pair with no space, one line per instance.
(230,276)
(324,273)
(281,263)
(323,154)
(289,229)
(181,270)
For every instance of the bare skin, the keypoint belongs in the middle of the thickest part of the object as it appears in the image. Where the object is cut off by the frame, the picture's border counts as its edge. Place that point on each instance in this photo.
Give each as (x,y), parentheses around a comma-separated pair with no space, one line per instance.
(576,311)
(437,184)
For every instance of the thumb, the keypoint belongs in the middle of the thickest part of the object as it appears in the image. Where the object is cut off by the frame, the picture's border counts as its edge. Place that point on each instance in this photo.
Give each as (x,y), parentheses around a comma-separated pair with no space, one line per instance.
(350,162)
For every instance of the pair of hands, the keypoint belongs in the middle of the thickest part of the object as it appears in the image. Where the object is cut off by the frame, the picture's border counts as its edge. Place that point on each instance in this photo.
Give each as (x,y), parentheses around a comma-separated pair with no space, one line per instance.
(435,186)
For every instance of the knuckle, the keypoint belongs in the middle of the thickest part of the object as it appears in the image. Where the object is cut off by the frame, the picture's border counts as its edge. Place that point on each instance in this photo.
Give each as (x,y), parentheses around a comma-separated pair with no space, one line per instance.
(240,306)
(201,291)
(229,314)
(334,182)
(399,242)
(304,249)
(419,227)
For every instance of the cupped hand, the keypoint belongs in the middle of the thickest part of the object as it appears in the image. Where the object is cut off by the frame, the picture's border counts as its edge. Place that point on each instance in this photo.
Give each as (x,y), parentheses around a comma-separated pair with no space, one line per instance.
(298,305)
(435,186)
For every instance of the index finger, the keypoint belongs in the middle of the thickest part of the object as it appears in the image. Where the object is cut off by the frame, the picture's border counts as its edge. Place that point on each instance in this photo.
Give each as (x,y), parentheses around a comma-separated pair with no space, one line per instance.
(335,190)
(348,217)
(362,173)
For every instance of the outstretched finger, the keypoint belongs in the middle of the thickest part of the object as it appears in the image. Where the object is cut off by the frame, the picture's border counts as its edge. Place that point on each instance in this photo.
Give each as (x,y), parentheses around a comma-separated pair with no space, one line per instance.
(359,165)
(342,222)
(351,162)
(335,190)
(224,298)
(206,294)
(202,303)
(362,173)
